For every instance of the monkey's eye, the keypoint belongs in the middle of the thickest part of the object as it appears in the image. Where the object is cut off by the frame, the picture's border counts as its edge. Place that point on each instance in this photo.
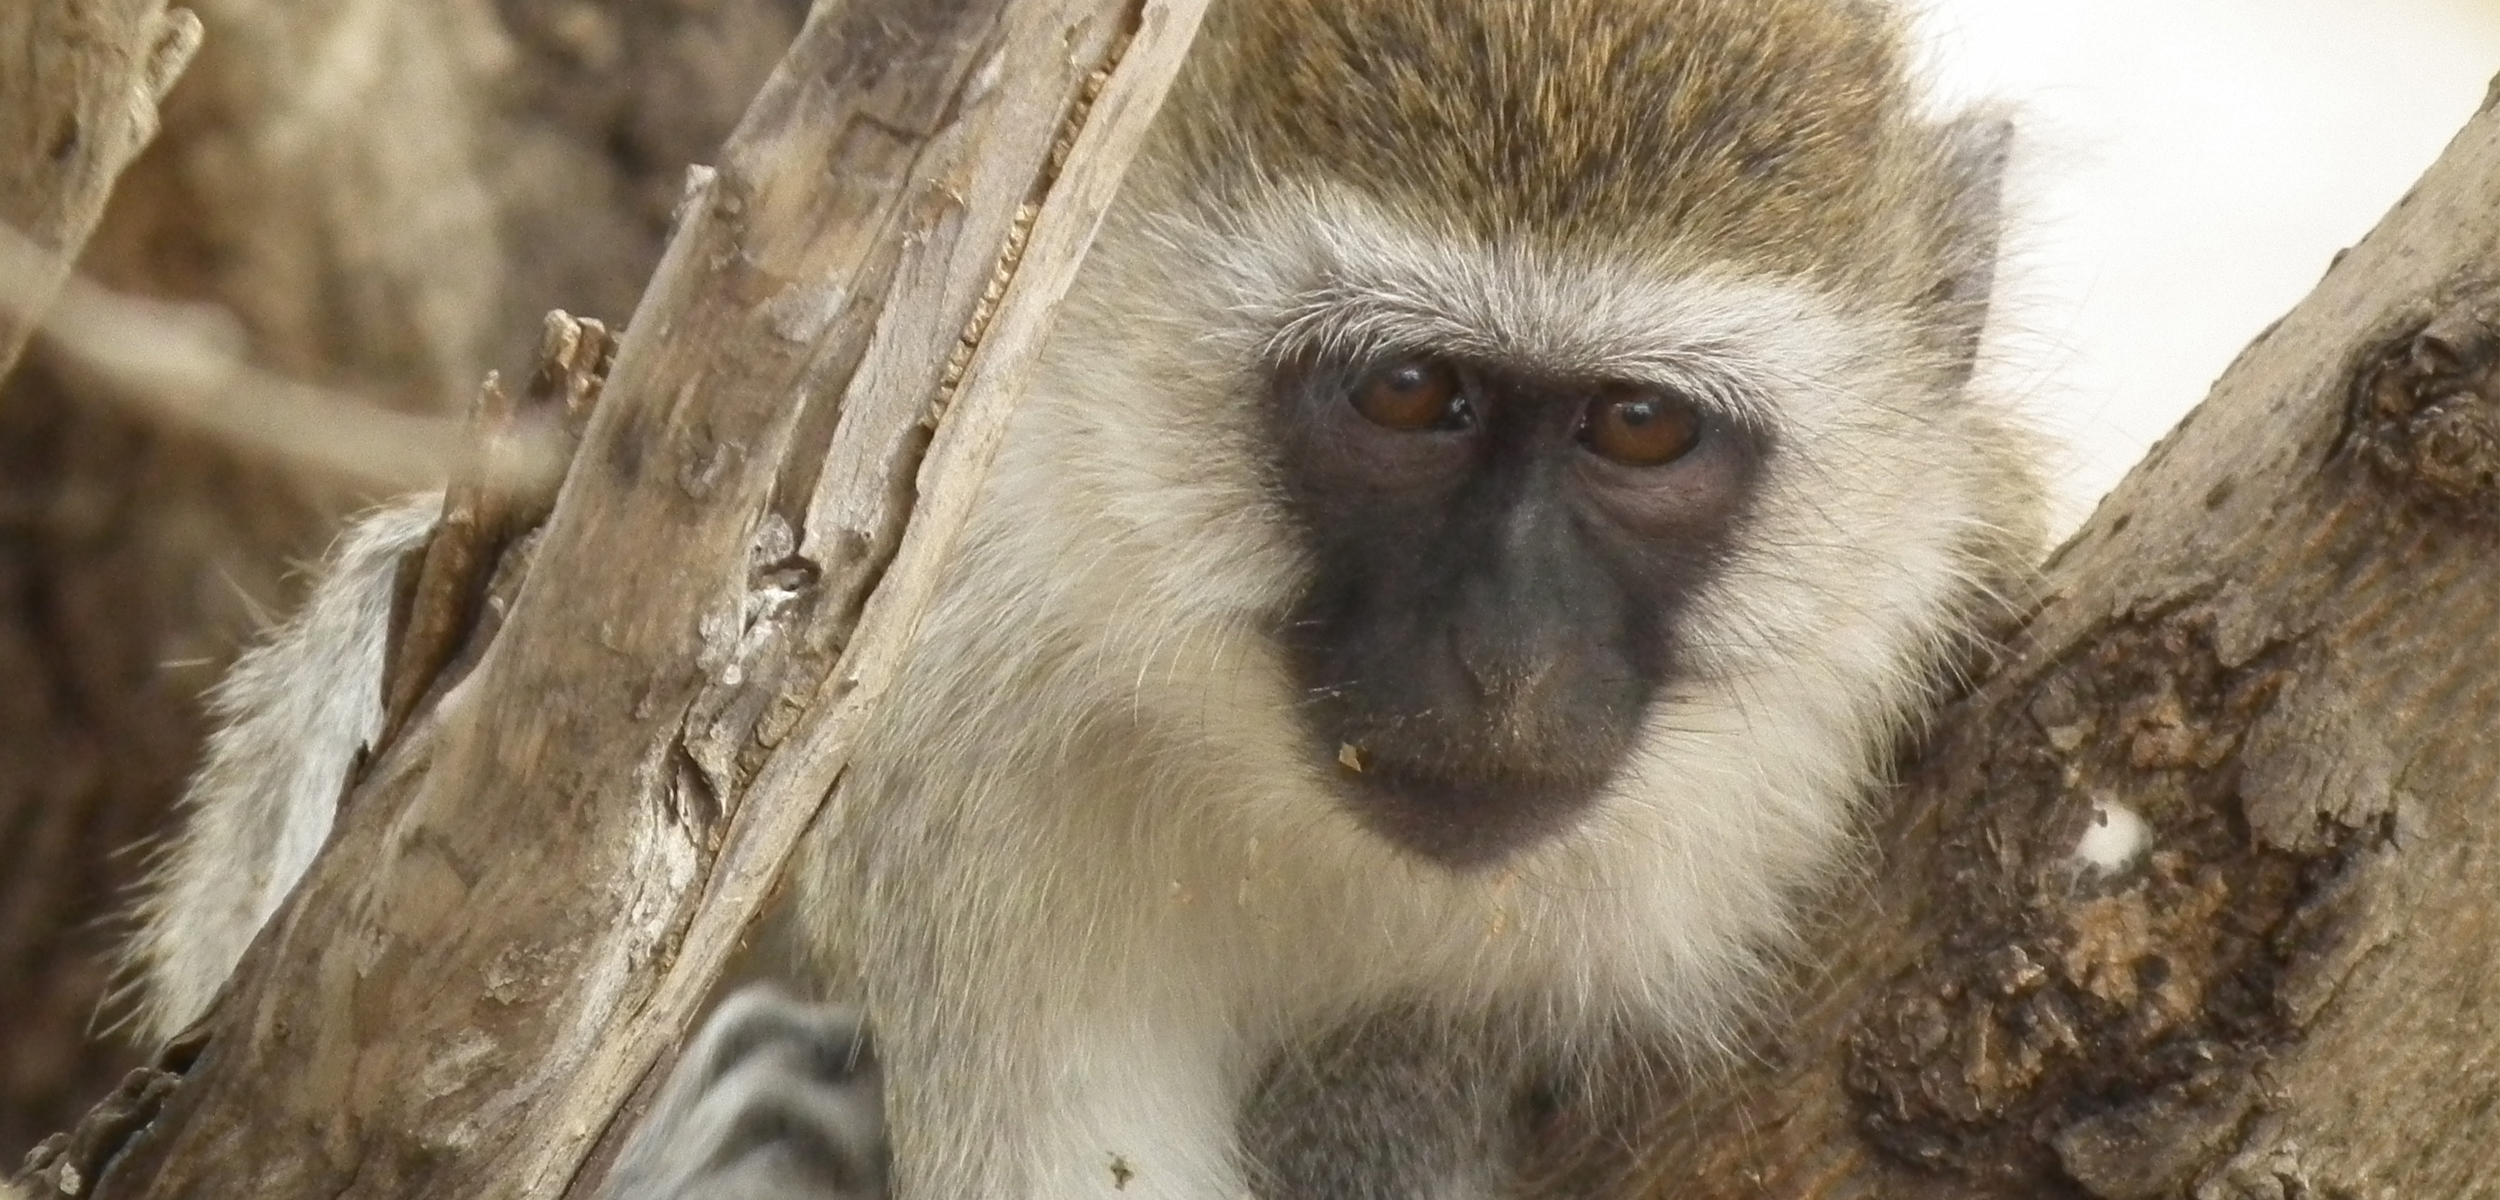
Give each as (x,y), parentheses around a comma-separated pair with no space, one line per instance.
(1638,427)
(1415,396)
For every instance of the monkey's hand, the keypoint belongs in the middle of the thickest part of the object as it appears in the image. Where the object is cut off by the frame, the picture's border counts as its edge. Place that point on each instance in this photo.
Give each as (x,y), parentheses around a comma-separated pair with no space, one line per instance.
(775,1100)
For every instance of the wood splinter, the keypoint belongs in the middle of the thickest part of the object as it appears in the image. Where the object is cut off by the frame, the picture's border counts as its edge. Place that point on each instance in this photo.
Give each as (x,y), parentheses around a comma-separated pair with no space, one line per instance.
(492,501)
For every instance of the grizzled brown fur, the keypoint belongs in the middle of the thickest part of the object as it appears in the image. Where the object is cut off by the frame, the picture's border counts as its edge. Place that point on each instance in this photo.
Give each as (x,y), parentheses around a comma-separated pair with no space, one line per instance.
(1779,134)
(1104,881)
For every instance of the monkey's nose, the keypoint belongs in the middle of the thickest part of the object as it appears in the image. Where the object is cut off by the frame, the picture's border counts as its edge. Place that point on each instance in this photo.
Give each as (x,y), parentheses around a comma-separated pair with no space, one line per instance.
(1506,667)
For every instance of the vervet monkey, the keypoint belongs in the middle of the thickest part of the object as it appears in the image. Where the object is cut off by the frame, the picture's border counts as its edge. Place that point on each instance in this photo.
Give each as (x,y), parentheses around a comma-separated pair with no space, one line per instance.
(1501,485)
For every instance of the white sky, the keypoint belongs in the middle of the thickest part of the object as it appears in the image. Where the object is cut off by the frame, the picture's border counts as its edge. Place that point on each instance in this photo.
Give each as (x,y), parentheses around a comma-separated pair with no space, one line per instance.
(2187,168)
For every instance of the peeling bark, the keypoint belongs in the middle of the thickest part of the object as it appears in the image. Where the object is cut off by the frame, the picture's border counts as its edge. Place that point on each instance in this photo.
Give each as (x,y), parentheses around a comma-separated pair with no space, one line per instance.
(136,557)
(434,1012)
(2274,647)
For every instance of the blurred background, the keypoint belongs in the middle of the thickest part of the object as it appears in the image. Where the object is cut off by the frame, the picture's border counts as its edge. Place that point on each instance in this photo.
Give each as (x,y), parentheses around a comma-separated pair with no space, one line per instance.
(2187,168)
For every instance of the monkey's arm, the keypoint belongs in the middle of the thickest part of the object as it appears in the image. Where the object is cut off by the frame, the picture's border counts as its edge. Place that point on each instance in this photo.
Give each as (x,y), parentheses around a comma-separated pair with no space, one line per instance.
(288,720)
(775,1100)
(1395,1106)
(781,1099)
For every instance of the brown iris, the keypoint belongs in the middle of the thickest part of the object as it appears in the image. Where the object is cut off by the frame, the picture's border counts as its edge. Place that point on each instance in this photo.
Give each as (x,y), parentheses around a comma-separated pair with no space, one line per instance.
(1640,428)
(1412,397)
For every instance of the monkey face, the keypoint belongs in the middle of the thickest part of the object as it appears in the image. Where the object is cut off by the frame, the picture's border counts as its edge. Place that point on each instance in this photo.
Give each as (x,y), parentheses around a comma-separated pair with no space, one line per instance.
(1500,557)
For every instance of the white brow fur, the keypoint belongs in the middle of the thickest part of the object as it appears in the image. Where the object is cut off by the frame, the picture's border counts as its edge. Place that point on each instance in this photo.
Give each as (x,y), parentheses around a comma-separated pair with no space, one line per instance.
(1090,875)
(1138,875)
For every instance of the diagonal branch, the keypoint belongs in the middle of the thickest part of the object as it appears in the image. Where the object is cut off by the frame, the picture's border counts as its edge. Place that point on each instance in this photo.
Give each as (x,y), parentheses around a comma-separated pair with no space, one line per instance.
(2197,896)
(535,885)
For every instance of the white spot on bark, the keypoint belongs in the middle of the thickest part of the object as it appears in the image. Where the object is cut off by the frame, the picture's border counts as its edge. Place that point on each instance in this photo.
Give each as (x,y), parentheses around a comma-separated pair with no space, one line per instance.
(2116,838)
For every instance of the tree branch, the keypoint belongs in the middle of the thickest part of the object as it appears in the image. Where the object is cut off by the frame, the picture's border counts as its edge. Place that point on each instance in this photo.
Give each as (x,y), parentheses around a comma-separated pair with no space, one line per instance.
(78,104)
(2274,645)
(534,887)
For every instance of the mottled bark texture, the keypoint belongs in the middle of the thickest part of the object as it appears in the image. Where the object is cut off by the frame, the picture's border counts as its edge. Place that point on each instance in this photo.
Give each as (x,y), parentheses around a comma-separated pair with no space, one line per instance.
(533,886)
(2278,645)
(2275,645)
(383,196)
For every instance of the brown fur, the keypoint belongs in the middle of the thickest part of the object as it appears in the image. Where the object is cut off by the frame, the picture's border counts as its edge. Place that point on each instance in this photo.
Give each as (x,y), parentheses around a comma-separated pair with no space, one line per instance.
(1113,928)
(1775,134)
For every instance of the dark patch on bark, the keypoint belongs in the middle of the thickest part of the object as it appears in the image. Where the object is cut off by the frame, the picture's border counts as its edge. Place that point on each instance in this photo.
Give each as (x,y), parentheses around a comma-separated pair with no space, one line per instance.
(2100,1027)
(2425,412)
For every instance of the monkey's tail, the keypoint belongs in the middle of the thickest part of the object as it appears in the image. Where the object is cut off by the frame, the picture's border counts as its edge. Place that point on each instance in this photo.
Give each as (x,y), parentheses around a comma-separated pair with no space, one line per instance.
(286,725)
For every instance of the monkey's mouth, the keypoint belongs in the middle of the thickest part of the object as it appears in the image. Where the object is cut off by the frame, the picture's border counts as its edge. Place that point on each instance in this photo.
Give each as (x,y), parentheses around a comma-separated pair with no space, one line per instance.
(1462,773)
(1462,812)
(1467,735)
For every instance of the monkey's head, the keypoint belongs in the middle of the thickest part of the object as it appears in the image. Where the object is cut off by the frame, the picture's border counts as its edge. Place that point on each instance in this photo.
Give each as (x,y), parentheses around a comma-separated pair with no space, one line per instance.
(1577,391)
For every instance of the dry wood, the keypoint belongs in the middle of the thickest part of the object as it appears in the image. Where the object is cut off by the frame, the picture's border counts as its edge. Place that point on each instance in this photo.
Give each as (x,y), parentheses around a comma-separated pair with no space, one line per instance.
(373,201)
(534,887)
(490,502)
(2279,644)
(77,103)
(2274,643)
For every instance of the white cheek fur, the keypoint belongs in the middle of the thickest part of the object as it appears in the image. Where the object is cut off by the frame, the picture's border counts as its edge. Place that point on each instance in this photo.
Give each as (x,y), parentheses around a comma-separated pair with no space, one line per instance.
(1121,574)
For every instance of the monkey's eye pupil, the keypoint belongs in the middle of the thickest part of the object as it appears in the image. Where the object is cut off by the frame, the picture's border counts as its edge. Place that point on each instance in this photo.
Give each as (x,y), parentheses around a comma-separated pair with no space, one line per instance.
(1414,396)
(1640,428)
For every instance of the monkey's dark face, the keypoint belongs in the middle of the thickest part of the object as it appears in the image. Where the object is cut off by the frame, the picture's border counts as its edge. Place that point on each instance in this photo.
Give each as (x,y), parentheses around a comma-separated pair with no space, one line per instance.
(1501,556)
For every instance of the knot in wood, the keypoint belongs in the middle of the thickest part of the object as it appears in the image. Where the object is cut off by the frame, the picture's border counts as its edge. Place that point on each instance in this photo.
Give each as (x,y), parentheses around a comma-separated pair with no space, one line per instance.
(2426,414)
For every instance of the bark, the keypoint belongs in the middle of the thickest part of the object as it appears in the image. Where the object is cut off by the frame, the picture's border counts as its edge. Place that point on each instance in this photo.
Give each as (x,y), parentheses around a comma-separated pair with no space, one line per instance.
(434,1013)
(2275,643)
(78,109)
(378,199)
(2272,645)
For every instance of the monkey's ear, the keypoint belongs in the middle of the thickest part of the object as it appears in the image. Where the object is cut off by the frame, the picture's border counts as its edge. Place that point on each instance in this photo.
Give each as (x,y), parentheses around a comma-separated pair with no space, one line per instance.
(1975,150)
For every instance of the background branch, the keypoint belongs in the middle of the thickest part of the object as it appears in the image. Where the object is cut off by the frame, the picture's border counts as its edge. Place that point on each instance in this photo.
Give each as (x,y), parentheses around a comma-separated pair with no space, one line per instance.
(77,106)
(362,201)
